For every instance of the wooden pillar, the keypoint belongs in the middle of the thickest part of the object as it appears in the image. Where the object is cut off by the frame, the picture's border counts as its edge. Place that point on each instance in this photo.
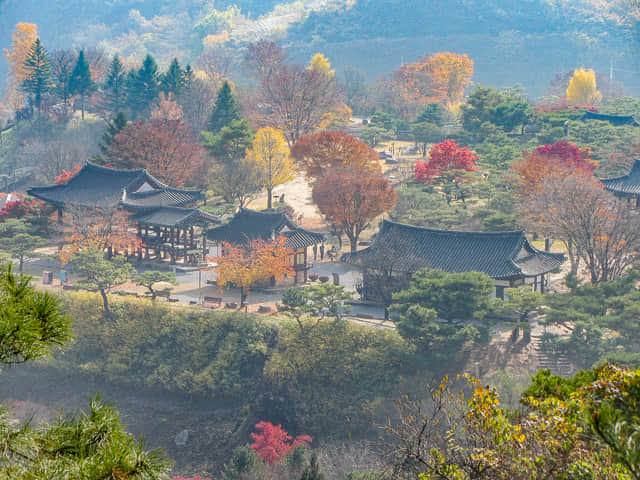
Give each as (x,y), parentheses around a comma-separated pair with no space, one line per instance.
(204,244)
(185,240)
(60,215)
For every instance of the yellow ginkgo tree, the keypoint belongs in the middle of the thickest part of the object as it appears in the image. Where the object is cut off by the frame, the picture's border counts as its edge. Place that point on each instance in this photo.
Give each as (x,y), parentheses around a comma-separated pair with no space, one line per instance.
(321,64)
(270,154)
(582,88)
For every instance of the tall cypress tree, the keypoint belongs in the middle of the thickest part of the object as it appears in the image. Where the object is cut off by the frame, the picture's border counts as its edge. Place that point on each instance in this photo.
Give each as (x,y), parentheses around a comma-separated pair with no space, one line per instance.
(80,82)
(174,79)
(38,73)
(225,110)
(143,86)
(114,87)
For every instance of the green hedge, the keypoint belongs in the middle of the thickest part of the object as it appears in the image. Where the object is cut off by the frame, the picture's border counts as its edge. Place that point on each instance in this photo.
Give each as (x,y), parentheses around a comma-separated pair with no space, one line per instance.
(326,381)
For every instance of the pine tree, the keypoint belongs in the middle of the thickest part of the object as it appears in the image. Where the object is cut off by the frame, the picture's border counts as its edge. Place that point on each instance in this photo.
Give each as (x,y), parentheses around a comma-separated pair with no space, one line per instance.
(143,86)
(225,110)
(113,127)
(114,87)
(80,82)
(37,80)
(174,79)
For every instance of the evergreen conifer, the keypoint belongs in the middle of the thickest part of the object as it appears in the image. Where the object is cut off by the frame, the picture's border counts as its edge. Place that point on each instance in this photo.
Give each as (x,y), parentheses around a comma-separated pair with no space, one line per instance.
(80,82)
(37,81)
(225,110)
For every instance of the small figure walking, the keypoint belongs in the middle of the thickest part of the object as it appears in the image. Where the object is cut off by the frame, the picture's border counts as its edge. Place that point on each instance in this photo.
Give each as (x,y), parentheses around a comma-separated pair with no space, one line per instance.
(322,251)
(315,251)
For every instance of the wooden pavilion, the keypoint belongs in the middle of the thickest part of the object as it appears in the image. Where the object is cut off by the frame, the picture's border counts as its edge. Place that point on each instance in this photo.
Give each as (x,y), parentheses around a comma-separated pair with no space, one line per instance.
(164,223)
(248,225)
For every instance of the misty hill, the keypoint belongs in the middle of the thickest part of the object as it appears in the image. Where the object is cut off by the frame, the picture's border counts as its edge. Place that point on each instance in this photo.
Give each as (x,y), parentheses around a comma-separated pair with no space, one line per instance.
(511,41)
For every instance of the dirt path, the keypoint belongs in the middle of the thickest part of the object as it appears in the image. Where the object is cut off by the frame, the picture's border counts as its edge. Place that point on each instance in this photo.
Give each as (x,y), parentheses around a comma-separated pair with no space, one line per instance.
(297,194)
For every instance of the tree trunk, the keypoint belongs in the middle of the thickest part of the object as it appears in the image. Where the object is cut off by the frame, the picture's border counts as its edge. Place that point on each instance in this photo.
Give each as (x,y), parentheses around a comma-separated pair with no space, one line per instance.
(153,294)
(353,241)
(269,198)
(82,105)
(105,303)
(243,296)
(21,262)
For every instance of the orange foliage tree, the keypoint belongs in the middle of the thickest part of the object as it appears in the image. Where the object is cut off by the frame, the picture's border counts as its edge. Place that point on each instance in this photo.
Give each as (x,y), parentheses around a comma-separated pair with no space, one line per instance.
(165,146)
(439,78)
(24,37)
(65,176)
(559,159)
(260,260)
(319,152)
(97,228)
(351,199)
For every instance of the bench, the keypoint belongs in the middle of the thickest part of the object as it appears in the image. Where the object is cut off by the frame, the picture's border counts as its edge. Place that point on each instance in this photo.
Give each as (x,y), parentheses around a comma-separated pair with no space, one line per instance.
(216,300)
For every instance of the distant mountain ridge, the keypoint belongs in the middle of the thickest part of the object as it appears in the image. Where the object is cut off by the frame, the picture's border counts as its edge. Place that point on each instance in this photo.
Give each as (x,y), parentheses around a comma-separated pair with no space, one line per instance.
(511,41)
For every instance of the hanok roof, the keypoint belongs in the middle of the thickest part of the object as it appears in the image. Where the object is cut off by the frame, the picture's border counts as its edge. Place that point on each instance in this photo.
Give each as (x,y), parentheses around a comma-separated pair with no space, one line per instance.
(501,255)
(174,217)
(96,186)
(628,184)
(615,120)
(248,225)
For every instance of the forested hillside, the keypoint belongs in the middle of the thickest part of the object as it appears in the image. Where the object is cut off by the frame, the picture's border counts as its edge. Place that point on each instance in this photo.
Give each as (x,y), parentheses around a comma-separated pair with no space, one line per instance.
(511,41)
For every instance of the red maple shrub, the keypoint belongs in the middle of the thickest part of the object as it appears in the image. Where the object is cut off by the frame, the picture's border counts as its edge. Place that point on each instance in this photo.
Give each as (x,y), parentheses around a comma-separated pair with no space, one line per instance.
(445,157)
(20,209)
(272,442)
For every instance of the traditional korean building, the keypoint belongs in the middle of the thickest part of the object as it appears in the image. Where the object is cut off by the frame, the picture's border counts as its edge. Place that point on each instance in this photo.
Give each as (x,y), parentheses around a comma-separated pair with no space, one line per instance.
(507,257)
(167,228)
(615,120)
(627,186)
(248,225)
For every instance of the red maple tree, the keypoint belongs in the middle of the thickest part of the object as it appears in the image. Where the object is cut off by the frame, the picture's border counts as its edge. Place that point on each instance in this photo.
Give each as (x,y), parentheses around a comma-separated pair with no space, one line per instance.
(165,146)
(560,159)
(445,157)
(272,442)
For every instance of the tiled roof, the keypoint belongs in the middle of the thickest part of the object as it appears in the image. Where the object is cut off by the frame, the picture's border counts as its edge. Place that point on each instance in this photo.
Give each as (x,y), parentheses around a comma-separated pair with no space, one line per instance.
(97,186)
(615,120)
(174,217)
(628,184)
(300,238)
(165,197)
(249,225)
(501,255)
